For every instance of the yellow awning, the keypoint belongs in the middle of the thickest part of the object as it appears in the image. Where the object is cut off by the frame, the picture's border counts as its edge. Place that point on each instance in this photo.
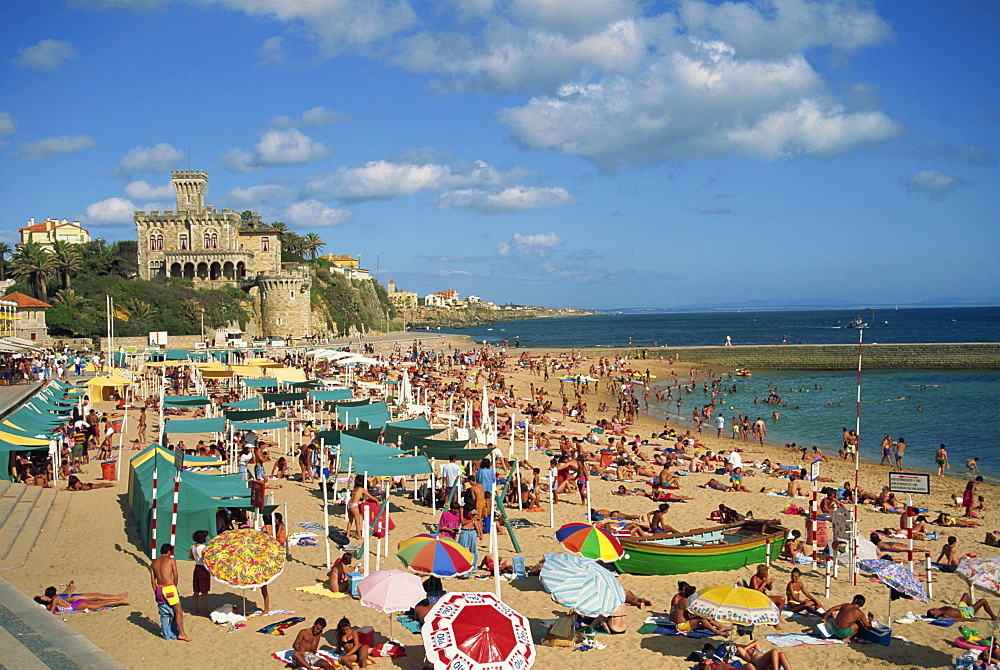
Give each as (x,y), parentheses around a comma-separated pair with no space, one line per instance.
(289,374)
(106,381)
(23,441)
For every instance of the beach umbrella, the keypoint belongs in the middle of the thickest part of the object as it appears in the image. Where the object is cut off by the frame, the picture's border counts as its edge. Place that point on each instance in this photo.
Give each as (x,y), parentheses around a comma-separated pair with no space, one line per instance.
(391,591)
(582,585)
(983,573)
(584,539)
(244,558)
(477,631)
(433,555)
(896,576)
(735,604)
(866,551)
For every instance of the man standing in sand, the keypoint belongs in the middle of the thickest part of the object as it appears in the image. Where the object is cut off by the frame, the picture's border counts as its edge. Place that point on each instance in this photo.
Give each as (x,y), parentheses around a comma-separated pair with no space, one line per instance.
(163,579)
(260,458)
(141,436)
(900,450)
(305,462)
(941,458)
(720,423)
(759,430)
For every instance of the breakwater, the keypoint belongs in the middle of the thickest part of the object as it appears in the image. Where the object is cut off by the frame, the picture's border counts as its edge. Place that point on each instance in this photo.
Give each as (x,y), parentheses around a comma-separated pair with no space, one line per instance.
(962,356)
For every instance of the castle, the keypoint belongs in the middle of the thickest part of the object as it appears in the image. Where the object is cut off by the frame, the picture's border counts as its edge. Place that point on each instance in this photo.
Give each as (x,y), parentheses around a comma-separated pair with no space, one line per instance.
(219,248)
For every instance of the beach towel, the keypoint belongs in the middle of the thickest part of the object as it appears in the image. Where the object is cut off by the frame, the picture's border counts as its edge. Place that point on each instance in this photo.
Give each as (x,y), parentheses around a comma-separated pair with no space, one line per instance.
(658,629)
(311,525)
(798,639)
(321,590)
(286,656)
(96,609)
(279,627)
(409,623)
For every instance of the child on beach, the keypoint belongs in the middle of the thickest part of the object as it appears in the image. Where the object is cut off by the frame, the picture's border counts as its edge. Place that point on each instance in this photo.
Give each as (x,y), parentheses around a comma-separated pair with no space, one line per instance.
(200,578)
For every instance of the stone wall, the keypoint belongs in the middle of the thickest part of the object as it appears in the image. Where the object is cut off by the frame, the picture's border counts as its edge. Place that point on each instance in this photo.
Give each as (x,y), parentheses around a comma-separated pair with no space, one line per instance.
(968,356)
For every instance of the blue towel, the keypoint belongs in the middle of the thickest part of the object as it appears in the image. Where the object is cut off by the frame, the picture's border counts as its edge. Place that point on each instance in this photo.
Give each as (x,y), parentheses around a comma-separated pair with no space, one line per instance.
(409,623)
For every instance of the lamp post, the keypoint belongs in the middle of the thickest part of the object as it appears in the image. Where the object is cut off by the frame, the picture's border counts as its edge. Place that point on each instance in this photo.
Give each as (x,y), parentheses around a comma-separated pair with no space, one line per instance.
(863,320)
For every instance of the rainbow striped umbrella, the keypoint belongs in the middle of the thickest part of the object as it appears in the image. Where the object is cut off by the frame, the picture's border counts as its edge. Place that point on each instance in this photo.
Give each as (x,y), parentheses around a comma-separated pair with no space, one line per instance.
(589,541)
(433,555)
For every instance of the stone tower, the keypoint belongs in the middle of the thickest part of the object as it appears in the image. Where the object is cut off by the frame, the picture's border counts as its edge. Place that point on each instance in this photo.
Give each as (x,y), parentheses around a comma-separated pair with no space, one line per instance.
(190,187)
(210,249)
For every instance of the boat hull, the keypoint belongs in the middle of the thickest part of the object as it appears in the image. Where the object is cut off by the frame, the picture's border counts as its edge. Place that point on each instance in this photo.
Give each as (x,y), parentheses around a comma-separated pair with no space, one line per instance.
(644,557)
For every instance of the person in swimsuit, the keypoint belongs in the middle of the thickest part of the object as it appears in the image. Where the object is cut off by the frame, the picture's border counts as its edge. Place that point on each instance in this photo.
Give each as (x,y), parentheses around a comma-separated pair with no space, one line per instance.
(163,579)
(354,506)
(307,644)
(201,579)
(799,599)
(337,578)
(353,653)
(849,620)
(685,621)
(74,484)
(965,610)
(68,601)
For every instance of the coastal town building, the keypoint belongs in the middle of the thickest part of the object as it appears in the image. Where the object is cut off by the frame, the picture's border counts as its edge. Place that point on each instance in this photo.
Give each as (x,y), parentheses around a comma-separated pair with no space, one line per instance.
(213,248)
(8,318)
(404,299)
(51,230)
(29,320)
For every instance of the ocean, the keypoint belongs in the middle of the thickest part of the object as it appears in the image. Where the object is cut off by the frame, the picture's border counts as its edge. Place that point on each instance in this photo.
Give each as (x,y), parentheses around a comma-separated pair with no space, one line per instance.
(927,407)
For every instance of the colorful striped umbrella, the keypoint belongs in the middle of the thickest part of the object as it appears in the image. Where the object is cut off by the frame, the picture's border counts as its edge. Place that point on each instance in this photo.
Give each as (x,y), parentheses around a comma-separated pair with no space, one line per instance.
(433,555)
(734,604)
(477,631)
(244,558)
(581,584)
(584,539)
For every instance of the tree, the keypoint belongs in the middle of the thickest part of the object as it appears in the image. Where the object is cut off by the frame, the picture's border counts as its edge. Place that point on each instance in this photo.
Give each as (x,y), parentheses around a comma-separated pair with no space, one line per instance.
(65,259)
(5,250)
(68,297)
(33,264)
(312,243)
(293,243)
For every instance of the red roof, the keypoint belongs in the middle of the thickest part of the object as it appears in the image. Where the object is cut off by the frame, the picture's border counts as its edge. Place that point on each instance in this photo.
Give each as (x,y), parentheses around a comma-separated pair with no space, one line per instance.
(25,301)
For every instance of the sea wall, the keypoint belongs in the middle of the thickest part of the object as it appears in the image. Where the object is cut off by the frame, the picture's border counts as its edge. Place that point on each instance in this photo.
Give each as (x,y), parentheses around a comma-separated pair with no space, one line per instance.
(966,356)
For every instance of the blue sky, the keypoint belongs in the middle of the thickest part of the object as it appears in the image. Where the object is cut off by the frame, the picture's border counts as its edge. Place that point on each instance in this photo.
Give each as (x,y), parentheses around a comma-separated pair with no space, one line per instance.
(594,154)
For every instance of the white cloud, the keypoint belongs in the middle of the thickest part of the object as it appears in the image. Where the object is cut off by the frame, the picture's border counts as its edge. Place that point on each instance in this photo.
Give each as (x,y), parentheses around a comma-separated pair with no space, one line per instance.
(159,158)
(272,51)
(277,146)
(249,198)
(143,190)
(55,146)
(110,212)
(239,160)
(338,25)
(535,245)
(384,180)
(8,126)
(514,199)
(314,214)
(315,117)
(935,184)
(47,55)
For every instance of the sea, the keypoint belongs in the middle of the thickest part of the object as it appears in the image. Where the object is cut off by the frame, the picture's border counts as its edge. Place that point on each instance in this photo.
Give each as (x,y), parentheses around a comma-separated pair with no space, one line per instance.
(926,407)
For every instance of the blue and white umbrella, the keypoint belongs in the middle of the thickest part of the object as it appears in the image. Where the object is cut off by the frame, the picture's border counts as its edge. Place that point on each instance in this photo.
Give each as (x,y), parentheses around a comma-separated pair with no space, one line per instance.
(582,585)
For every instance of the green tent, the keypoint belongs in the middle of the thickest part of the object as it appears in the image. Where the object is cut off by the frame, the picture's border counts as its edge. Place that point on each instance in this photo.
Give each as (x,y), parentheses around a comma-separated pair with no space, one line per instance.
(441,449)
(201,497)
(7,458)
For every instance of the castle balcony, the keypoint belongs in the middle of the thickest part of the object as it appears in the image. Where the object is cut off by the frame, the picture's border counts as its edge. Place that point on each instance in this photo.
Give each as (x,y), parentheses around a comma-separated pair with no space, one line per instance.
(230,267)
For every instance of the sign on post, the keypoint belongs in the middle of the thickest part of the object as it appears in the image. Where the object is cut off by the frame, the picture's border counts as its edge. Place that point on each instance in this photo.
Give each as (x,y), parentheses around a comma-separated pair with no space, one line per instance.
(814,471)
(906,482)
(179,460)
(257,495)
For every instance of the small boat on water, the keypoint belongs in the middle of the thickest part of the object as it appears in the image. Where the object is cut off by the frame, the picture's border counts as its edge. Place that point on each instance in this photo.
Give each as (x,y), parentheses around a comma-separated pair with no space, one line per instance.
(720,548)
(743,372)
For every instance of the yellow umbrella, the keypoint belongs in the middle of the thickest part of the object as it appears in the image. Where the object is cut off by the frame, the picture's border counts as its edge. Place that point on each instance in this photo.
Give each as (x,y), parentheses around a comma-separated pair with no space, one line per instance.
(735,604)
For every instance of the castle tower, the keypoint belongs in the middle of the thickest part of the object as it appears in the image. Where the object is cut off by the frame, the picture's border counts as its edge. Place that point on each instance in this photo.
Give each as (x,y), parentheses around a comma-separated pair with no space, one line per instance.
(190,186)
(392,287)
(285,304)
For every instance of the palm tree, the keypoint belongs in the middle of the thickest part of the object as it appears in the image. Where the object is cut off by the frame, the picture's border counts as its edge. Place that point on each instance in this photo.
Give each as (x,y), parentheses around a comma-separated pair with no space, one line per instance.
(5,250)
(34,265)
(313,243)
(65,259)
(293,243)
(138,308)
(68,297)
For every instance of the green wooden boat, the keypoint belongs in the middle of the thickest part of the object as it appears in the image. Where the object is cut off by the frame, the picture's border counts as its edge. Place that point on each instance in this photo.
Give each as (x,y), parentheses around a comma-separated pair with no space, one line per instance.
(720,548)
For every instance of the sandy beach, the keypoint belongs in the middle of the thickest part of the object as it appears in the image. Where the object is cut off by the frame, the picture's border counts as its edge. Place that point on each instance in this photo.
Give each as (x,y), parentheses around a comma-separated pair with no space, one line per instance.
(97,546)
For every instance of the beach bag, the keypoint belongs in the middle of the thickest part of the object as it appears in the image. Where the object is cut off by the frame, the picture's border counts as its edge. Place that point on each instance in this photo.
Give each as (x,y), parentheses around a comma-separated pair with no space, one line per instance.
(562,634)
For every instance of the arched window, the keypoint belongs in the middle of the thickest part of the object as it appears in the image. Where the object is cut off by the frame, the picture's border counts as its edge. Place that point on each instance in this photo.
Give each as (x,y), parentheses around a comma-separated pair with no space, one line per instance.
(211,239)
(265,244)
(156,242)
(184,242)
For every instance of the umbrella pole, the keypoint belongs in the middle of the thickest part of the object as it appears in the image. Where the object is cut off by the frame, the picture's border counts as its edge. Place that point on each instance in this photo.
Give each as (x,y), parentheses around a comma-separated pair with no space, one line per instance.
(326,509)
(552,508)
(366,537)
(495,548)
